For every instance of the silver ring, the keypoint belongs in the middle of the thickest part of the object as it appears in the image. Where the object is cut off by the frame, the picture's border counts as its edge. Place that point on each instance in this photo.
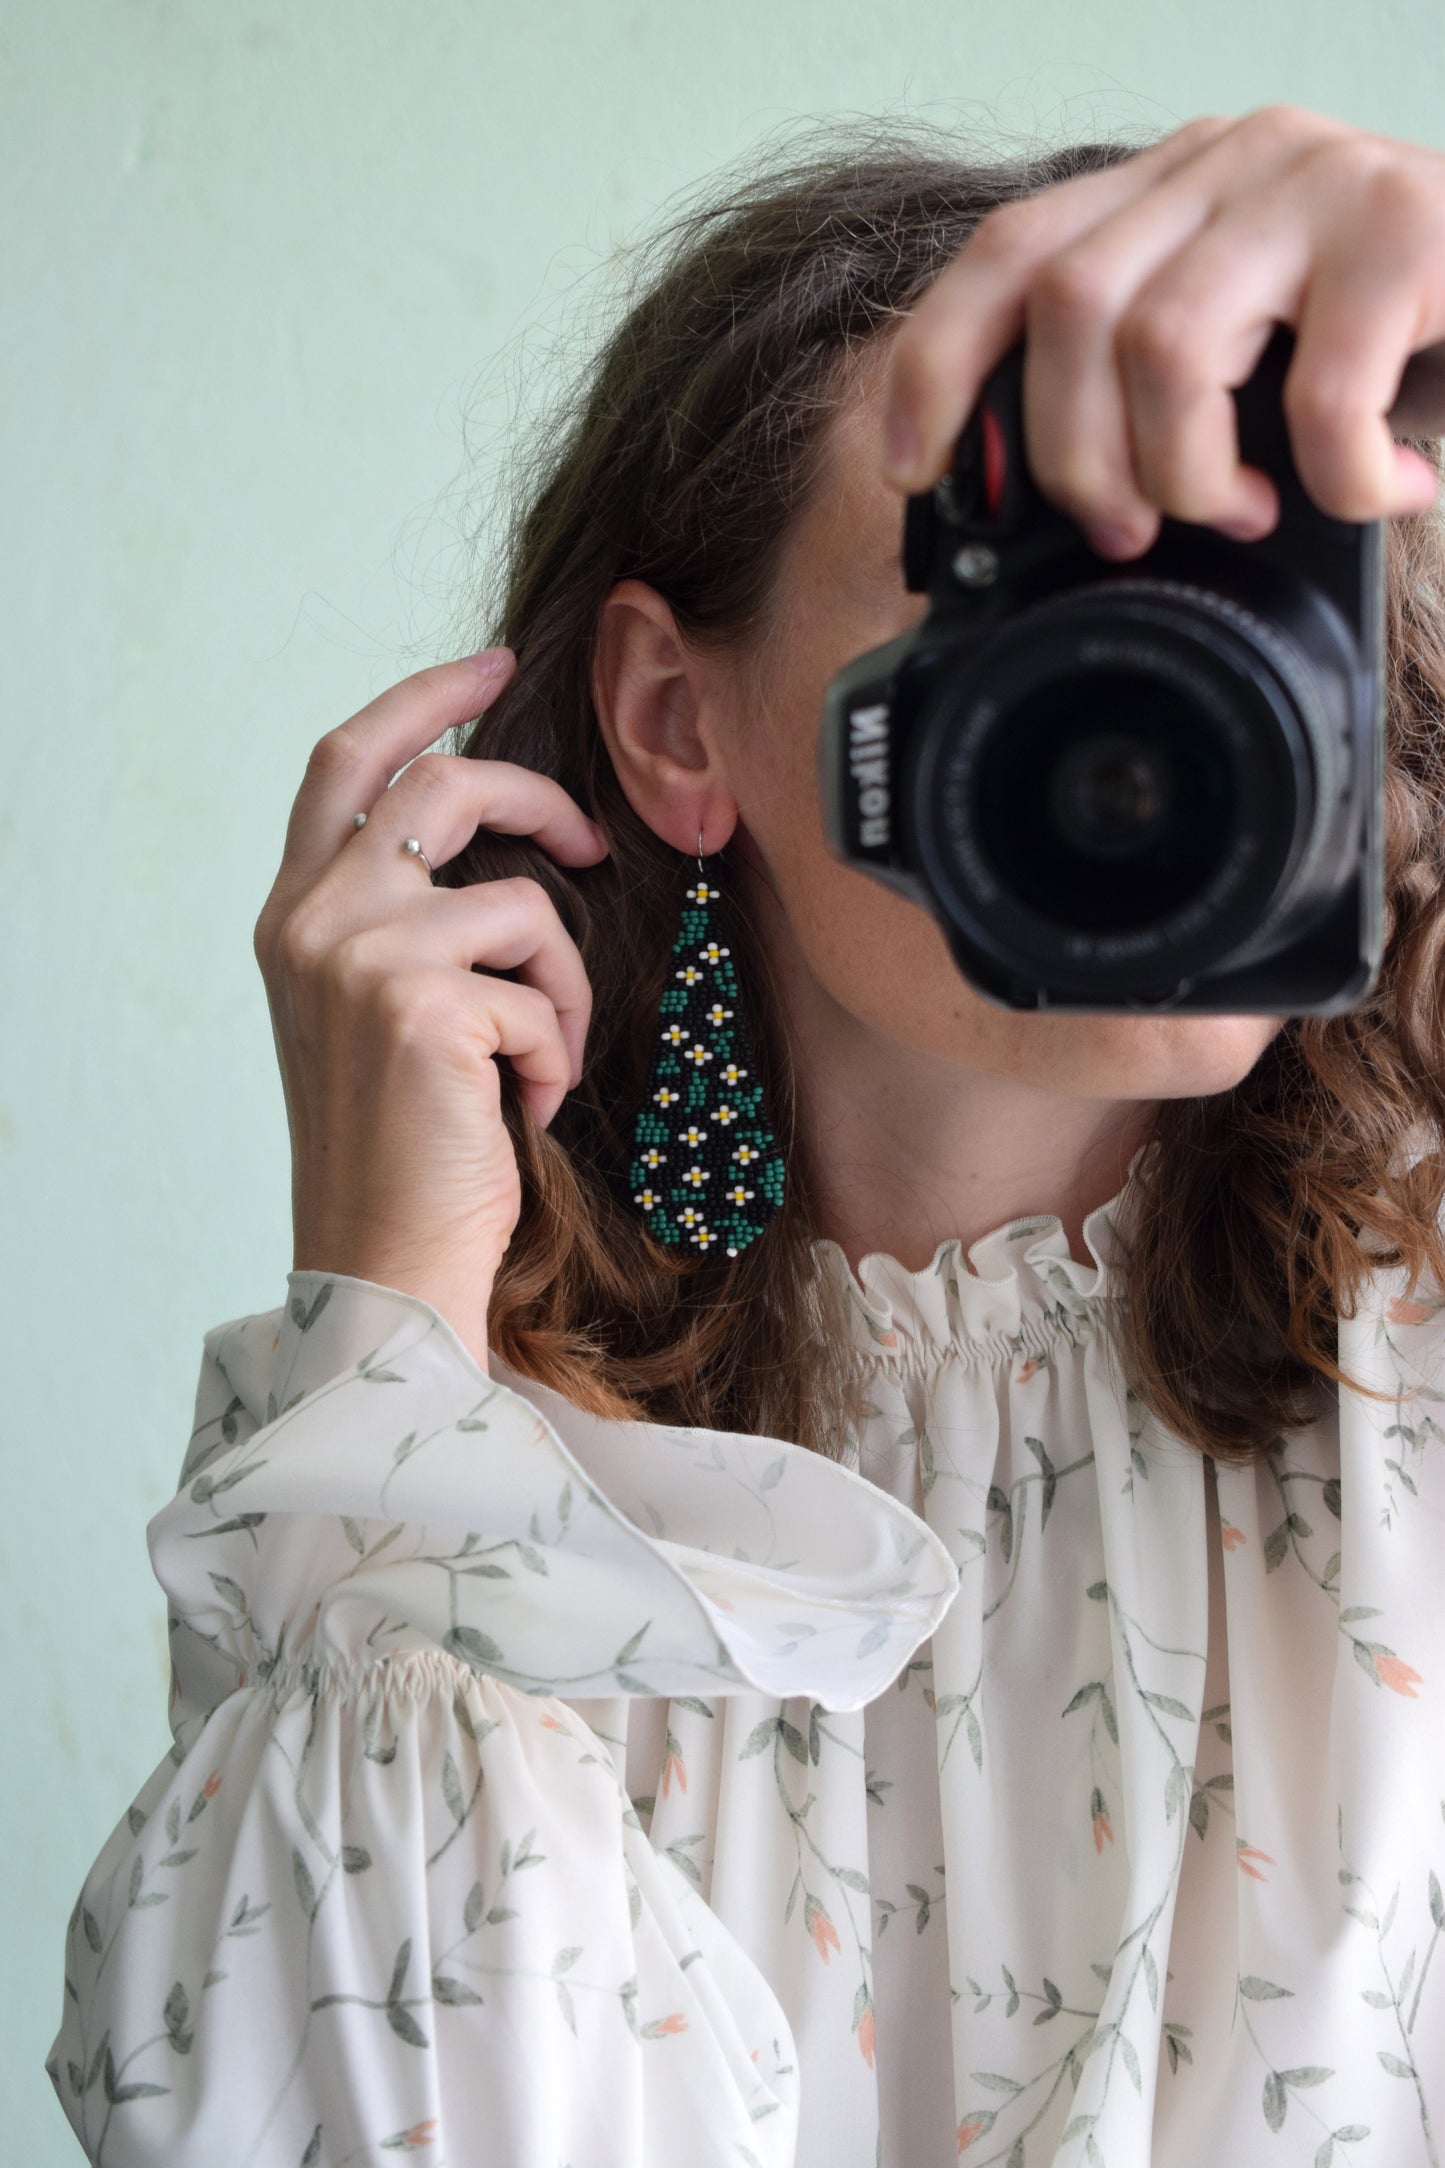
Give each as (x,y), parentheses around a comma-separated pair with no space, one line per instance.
(410,846)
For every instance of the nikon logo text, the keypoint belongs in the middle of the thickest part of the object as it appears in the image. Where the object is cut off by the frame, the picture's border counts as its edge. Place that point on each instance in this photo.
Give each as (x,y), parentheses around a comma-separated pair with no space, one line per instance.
(868,766)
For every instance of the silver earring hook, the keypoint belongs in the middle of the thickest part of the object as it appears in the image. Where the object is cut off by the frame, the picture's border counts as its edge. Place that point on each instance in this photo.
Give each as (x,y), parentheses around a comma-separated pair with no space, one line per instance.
(699,851)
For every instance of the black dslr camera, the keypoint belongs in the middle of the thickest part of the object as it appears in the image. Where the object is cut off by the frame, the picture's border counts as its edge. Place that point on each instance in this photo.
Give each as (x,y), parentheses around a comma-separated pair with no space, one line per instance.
(1157,785)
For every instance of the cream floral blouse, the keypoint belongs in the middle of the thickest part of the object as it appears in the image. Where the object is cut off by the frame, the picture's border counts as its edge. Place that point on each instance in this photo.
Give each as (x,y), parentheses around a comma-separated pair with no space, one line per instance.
(555,1793)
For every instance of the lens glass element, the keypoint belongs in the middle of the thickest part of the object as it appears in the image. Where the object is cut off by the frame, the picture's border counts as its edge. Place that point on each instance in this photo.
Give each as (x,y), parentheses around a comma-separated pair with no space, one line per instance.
(1105,801)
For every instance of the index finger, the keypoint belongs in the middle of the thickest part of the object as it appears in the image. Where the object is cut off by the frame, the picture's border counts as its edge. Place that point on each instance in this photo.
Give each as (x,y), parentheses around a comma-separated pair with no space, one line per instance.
(976,309)
(352,765)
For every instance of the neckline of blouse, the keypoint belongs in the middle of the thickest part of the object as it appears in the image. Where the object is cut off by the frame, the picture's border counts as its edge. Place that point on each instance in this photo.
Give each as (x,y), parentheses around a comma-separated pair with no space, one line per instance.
(1019,1287)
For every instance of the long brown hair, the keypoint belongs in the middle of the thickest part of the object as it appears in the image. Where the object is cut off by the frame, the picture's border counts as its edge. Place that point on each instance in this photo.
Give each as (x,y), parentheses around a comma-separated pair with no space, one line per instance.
(678,455)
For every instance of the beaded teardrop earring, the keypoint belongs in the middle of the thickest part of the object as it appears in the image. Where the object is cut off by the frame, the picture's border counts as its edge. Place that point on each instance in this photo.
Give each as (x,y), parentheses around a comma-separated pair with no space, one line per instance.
(706,1169)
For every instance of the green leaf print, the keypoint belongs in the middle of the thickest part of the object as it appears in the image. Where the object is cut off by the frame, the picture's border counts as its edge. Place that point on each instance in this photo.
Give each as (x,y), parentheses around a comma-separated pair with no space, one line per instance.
(102,2050)
(401,2021)
(452,1790)
(474,1647)
(305,1887)
(793,1740)
(116,2093)
(630,1646)
(176,2013)
(405,2026)
(305,1318)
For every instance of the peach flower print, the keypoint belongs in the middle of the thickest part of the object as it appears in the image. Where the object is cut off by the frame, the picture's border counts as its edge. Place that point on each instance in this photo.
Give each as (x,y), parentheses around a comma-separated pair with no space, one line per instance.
(1027,1371)
(865,2035)
(1402,1311)
(551,1722)
(674,1761)
(968,2130)
(1397,1675)
(419,2134)
(212,1784)
(1102,1830)
(674,2023)
(1247,1852)
(1386,1668)
(820,1927)
(1230,1536)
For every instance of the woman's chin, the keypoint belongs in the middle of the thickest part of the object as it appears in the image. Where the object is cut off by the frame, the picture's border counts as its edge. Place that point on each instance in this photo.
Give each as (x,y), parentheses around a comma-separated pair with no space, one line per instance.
(1169,1057)
(1113,1056)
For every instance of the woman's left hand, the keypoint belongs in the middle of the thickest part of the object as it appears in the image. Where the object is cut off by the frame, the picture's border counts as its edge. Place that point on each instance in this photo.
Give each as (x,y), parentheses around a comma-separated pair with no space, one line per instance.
(1146,291)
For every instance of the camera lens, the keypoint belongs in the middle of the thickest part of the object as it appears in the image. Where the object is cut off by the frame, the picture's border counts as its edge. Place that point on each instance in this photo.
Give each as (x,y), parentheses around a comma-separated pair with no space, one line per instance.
(1105,799)
(1109,795)
(1117,786)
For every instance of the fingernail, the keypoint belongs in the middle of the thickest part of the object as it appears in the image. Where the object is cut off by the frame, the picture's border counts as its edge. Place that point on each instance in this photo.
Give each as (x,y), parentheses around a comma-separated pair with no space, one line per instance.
(901,449)
(1113,541)
(1242,530)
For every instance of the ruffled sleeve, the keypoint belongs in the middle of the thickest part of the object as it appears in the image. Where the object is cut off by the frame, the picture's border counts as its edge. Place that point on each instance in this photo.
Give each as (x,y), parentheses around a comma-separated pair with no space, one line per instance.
(386,1892)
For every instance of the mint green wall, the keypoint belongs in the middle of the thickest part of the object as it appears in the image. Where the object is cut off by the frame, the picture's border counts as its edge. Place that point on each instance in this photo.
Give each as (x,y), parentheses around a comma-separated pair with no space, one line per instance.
(261,264)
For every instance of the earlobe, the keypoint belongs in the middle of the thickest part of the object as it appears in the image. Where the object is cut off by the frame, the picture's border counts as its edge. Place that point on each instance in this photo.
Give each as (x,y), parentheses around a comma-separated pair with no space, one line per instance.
(650,696)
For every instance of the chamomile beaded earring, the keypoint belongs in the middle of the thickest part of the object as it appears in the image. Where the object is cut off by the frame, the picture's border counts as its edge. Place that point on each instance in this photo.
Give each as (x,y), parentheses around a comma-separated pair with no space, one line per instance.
(706,1169)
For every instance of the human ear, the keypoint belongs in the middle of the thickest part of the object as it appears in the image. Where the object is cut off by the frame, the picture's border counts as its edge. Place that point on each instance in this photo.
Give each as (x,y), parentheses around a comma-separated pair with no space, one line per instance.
(655,703)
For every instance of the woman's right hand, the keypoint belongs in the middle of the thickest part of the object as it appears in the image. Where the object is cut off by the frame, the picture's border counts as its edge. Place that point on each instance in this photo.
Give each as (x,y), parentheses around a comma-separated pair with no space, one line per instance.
(402,1168)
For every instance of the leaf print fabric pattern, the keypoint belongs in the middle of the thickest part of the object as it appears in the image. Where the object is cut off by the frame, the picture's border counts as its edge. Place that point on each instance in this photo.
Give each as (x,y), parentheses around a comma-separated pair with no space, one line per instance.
(1022,1790)
(387,1891)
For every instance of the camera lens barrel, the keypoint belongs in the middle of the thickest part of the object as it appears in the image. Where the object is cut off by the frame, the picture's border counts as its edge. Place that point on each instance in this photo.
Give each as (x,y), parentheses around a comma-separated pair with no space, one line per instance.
(1131,783)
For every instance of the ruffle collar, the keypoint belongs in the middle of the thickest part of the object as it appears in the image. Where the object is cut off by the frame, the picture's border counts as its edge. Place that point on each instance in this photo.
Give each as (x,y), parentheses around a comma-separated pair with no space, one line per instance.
(1017,1284)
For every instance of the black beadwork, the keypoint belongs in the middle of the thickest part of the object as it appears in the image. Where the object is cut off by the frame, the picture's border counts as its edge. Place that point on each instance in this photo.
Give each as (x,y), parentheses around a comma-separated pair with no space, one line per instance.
(706,1169)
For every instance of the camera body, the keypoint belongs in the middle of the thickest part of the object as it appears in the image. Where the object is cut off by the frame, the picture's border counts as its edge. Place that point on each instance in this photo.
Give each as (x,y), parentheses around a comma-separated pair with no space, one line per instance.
(1153,786)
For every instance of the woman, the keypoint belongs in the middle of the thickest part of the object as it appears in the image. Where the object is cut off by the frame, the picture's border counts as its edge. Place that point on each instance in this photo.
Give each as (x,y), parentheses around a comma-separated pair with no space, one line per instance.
(958,1671)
